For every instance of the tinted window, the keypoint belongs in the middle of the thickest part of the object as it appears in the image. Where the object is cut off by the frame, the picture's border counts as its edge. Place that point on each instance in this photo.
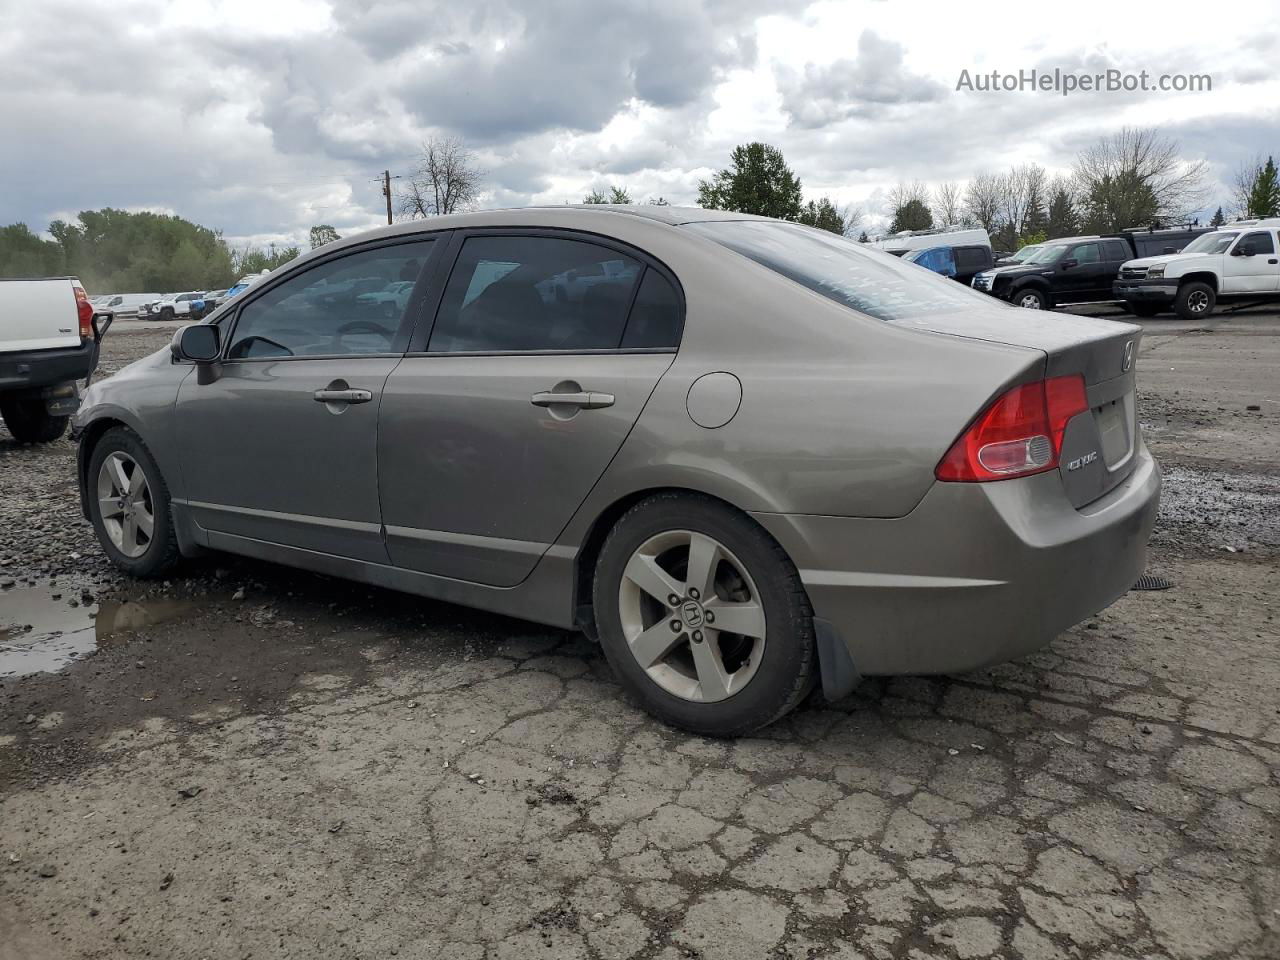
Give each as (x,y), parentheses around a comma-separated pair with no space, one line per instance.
(842,270)
(972,258)
(655,319)
(513,294)
(1085,252)
(349,305)
(1261,242)
(1117,250)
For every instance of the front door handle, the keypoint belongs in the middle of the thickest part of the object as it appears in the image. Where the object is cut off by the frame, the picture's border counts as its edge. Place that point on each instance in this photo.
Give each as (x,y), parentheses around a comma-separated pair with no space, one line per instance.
(342,396)
(585,400)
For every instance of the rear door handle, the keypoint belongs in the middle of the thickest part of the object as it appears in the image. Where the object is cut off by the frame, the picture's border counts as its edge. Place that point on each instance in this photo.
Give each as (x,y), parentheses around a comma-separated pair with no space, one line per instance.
(586,400)
(342,396)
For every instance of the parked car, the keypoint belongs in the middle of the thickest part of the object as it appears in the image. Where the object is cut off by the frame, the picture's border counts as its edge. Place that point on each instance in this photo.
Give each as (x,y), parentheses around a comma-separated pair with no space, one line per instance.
(901,243)
(177,305)
(124,305)
(1239,262)
(1154,241)
(1070,270)
(1022,256)
(390,300)
(762,457)
(48,341)
(213,298)
(244,283)
(959,263)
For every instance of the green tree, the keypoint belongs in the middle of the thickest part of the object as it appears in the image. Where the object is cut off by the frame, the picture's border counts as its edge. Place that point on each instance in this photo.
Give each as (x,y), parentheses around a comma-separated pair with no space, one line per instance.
(255,260)
(615,195)
(912,214)
(1218,219)
(824,215)
(1062,219)
(1264,196)
(23,254)
(757,181)
(322,234)
(595,196)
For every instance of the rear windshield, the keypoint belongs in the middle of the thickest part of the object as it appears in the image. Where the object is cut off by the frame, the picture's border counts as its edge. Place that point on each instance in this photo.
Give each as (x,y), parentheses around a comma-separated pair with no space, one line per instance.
(842,270)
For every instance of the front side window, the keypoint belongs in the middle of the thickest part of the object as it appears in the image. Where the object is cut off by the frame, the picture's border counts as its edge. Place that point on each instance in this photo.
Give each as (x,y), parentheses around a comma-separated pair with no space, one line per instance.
(842,270)
(1027,252)
(1261,242)
(524,293)
(351,305)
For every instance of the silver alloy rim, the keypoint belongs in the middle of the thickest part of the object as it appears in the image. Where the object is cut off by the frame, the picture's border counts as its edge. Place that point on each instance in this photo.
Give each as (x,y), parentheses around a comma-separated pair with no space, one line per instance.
(1030,301)
(125,505)
(692,616)
(1197,300)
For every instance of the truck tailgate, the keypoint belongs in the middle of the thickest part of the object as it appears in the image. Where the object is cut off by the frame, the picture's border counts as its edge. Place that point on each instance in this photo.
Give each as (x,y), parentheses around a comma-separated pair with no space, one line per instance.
(38,315)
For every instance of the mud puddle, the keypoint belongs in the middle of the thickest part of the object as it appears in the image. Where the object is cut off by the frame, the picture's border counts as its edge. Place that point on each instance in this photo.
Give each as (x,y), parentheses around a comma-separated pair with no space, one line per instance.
(44,628)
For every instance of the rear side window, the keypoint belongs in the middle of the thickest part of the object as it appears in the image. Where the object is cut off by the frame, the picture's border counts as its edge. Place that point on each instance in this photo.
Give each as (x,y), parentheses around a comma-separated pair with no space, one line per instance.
(1117,250)
(656,319)
(520,294)
(972,258)
(842,270)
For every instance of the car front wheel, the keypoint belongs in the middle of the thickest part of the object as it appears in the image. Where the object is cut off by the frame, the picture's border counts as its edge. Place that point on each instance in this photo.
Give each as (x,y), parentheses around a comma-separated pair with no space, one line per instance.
(1195,300)
(129,505)
(703,617)
(1031,299)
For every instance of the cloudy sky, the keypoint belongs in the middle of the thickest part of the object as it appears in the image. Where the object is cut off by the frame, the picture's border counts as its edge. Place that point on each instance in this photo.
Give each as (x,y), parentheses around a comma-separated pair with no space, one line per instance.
(263,117)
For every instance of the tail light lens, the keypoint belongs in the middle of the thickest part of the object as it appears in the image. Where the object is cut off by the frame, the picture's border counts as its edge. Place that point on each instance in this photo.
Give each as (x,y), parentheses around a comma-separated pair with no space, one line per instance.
(84,309)
(1019,434)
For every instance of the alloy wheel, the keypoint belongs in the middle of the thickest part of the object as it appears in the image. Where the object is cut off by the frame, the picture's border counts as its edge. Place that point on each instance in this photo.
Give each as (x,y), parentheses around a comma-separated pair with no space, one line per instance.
(1030,301)
(125,504)
(1197,301)
(691,616)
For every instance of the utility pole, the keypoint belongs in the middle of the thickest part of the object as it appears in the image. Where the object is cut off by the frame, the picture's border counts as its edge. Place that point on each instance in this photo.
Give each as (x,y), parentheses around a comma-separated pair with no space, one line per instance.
(386,191)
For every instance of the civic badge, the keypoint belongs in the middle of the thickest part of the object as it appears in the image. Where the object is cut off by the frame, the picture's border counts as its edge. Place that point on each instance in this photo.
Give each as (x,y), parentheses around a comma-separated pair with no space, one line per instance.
(1127,362)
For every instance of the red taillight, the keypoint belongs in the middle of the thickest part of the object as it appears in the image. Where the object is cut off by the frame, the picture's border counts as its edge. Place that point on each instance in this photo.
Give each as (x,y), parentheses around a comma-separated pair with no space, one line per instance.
(1019,434)
(84,310)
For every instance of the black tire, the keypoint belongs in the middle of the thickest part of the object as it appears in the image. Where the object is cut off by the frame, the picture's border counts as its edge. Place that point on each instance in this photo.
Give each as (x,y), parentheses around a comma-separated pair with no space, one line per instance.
(162,552)
(1022,298)
(1195,300)
(29,421)
(788,669)
(166,313)
(1142,309)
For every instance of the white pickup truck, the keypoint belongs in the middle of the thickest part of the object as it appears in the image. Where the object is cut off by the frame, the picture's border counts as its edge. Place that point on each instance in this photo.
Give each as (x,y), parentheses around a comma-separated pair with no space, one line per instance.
(1238,262)
(49,338)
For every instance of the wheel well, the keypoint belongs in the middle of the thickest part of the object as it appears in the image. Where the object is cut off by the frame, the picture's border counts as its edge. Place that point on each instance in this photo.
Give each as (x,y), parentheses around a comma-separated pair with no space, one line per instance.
(88,440)
(1209,278)
(589,552)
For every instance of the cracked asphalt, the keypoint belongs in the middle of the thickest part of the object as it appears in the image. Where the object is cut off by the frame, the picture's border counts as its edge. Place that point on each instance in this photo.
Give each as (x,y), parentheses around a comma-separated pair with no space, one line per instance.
(257,762)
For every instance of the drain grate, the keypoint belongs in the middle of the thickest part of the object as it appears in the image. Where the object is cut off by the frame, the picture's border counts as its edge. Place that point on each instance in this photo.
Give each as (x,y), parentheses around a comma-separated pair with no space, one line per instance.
(1149,581)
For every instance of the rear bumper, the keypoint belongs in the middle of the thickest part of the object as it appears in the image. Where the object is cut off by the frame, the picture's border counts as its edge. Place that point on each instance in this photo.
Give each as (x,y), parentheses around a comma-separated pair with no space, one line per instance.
(1145,291)
(44,368)
(976,574)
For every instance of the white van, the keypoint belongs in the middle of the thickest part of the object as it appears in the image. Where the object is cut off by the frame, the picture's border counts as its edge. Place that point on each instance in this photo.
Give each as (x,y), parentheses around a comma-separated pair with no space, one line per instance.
(123,304)
(908,240)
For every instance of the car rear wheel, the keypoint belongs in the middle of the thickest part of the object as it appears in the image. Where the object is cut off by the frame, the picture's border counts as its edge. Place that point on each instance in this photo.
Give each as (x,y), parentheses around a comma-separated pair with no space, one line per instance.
(29,420)
(703,617)
(1142,309)
(129,505)
(1031,299)
(1195,300)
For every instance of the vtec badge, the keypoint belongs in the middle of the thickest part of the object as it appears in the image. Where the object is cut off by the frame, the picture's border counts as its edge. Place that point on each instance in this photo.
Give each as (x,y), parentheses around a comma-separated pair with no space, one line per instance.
(1084,461)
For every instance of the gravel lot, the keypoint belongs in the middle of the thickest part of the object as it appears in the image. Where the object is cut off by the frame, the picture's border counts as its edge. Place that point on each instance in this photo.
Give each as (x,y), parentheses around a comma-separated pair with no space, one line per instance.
(259,762)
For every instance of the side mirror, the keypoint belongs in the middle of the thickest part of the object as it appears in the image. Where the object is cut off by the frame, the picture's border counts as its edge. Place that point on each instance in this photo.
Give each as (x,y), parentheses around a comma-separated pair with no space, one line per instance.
(198,343)
(1069,263)
(1245,250)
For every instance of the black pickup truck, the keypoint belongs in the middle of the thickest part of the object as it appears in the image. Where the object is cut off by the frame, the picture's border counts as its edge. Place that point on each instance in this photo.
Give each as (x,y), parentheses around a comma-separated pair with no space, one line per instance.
(1078,269)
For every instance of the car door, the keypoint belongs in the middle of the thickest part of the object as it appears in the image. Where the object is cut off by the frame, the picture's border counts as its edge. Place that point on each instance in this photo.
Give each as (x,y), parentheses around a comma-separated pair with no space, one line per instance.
(1257,273)
(282,445)
(1081,279)
(544,349)
(1115,253)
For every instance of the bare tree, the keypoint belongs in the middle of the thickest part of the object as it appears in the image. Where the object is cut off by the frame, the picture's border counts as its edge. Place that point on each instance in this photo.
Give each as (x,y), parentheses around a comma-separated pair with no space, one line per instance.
(904,193)
(853,216)
(1023,196)
(982,200)
(948,205)
(1242,186)
(1136,177)
(447,180)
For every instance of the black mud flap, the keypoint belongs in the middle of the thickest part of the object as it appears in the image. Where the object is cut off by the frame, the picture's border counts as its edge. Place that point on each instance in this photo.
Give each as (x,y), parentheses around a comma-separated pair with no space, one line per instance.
(839,675)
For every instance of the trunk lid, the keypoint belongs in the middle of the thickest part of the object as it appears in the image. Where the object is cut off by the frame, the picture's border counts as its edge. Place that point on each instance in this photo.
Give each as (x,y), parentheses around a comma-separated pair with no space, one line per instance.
(1098,445)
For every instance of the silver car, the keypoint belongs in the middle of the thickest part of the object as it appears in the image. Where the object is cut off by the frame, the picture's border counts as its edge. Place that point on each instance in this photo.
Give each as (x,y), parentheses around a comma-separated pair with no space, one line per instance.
(748,456)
